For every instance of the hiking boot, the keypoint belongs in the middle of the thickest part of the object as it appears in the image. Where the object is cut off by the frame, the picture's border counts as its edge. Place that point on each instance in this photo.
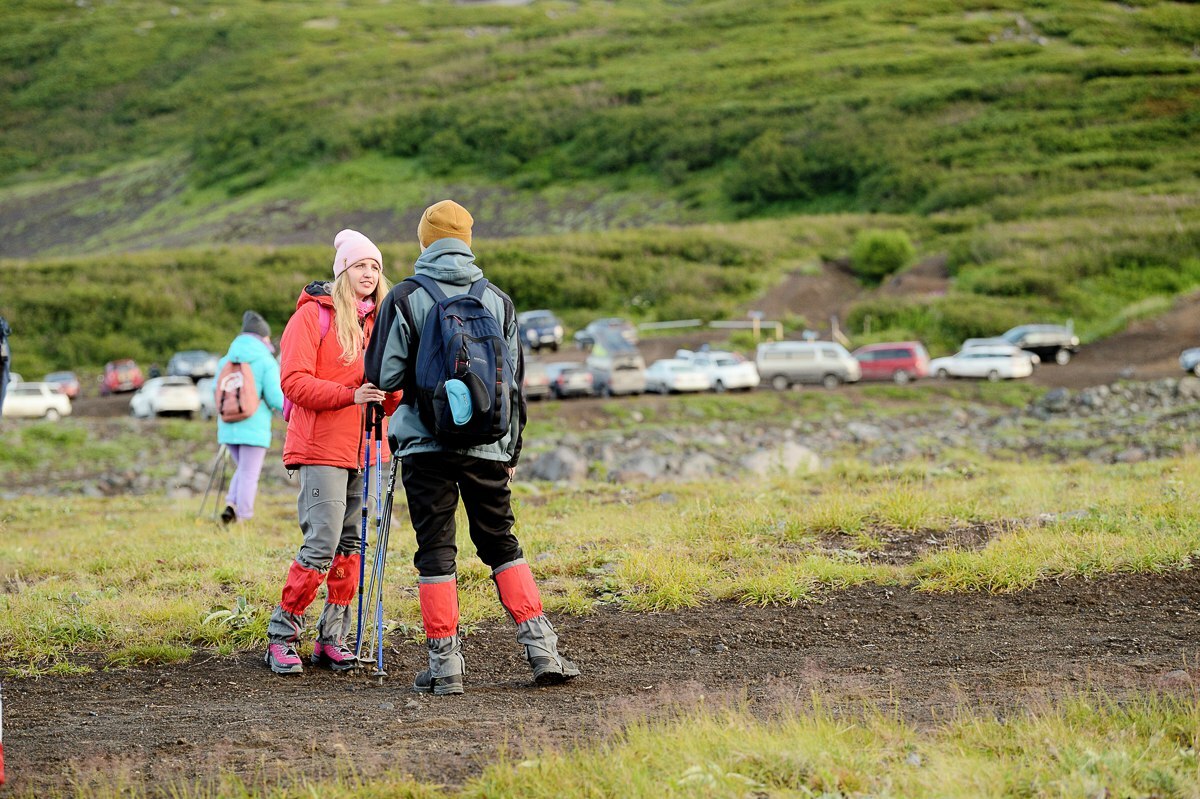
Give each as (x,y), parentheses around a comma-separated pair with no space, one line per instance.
(541,651)
(426,683)
(552,671)
(229,515)
(444,677)
(282,659)
(335,656)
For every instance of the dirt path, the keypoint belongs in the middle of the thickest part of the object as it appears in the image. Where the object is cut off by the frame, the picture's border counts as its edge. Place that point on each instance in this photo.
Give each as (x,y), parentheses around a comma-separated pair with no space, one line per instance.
(923,654)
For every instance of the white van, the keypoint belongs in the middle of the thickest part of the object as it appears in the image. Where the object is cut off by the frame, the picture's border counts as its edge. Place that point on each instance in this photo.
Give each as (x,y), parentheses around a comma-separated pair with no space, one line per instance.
(618,373)
(782,364)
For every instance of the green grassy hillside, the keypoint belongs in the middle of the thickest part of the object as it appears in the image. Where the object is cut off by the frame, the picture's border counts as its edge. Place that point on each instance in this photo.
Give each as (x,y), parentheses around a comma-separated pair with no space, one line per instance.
(1047,148)
(592,113)
(1101,271)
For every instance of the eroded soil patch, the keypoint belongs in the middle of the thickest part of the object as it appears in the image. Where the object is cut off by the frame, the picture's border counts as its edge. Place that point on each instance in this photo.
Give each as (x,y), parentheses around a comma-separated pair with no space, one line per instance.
(922,654)
(902,547)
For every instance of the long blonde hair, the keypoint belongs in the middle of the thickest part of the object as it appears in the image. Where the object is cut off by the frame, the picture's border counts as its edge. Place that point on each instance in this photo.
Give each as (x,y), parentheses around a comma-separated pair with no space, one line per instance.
(345,314)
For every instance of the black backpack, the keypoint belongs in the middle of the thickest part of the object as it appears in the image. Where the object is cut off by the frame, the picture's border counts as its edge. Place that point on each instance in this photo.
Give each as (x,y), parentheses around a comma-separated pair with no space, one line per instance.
(464,374)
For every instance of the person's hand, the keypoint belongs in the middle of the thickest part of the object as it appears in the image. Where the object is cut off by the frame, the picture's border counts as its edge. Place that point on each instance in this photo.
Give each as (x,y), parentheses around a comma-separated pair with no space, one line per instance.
(512,470)
(368,393)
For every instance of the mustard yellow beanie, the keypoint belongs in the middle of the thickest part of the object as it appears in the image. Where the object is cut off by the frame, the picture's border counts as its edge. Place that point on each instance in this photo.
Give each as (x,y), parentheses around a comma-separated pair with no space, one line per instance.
(444,220)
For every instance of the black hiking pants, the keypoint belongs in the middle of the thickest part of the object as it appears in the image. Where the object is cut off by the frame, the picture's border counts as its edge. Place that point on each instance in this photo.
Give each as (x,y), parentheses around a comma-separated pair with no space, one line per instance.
(432,483)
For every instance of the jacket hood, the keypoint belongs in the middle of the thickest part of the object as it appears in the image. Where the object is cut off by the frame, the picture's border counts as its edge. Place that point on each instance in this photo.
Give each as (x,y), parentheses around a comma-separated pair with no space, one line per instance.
(320,291)
(449,261)
(247,347)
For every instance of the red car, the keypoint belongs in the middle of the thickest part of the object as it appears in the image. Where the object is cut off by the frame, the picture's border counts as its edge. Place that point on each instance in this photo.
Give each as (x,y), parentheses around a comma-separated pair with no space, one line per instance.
(64,383)
(899,361)
(120,376)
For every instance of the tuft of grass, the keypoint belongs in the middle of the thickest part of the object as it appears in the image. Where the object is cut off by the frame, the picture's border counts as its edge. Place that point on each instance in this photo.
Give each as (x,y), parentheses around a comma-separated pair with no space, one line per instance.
(1079,747)
(140,573)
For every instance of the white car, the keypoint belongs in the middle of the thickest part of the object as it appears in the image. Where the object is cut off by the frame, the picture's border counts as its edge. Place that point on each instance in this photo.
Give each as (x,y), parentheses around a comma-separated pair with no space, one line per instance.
(206,388)
(994,341)
(174,394)
(672,375)
(725,370)
(994,363)
(35,401)
(1190,360)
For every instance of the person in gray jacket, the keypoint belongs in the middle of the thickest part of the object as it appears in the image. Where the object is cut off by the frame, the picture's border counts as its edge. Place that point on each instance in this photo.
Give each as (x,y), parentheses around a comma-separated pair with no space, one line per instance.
(435,475)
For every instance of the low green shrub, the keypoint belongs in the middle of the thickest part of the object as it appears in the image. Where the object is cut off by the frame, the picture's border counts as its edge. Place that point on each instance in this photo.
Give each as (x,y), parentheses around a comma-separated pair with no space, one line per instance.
(879,253)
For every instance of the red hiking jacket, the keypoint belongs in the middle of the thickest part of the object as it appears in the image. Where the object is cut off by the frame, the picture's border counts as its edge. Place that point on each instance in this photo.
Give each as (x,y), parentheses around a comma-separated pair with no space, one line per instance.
(326,426)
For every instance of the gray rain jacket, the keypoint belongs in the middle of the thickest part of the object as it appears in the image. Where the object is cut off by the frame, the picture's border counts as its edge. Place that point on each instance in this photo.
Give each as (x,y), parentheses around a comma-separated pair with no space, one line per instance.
(391,355)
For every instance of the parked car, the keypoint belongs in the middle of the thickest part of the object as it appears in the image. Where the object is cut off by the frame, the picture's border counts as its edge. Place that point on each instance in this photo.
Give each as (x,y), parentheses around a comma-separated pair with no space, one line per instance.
(537,382)
(14,378)
(1190,360)
(784,363)
(997,362)
(1055,343)
(194,364)
(725,370)
(569,379)
(618,373)
(540,329)
(206,388)
(35,401)
(121,376)
(613,333)
(899,361)
(174,394)
(673,375)
(64,383)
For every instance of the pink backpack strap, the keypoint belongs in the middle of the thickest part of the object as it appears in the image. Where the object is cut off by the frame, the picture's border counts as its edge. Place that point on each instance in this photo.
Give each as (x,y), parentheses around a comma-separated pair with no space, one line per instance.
(324,320)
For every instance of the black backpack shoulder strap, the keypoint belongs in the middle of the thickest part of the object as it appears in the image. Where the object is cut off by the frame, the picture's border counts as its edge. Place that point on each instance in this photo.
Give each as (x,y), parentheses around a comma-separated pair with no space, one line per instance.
(510,310)
(478,287)
(430,285)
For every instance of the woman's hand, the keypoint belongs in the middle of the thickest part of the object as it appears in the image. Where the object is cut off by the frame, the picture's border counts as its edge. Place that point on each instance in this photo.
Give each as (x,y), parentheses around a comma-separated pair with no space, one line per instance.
(368,393)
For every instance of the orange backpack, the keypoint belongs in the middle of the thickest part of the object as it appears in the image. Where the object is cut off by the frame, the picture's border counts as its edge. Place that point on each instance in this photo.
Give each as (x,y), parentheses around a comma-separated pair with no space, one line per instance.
(237,395)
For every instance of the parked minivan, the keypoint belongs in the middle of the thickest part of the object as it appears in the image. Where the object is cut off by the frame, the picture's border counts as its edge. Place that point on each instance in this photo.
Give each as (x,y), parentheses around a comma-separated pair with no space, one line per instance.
(618,373)
(784,363)
(899,361)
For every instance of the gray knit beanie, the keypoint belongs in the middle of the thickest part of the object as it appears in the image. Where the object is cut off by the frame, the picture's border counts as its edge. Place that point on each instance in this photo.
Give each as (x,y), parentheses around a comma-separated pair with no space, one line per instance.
(254,323)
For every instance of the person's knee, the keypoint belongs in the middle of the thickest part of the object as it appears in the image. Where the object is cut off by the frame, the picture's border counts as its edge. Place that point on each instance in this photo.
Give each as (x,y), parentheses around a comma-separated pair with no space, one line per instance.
(436,561)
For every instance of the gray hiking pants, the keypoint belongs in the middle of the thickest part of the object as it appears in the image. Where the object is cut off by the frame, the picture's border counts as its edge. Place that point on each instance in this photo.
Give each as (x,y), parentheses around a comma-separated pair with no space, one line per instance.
(330,512)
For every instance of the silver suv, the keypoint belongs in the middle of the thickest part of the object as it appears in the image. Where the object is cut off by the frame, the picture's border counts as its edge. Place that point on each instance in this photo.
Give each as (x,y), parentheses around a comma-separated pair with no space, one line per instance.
(784,363)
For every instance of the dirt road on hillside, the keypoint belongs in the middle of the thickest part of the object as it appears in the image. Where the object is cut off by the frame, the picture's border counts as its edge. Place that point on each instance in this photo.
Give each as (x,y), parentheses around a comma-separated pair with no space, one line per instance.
(921,654)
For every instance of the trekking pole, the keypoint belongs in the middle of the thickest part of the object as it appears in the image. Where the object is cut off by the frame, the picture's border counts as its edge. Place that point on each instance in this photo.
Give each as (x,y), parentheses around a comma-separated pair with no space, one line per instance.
(218,462)
(381,547)
(362,542)
(1,734)
(380,553)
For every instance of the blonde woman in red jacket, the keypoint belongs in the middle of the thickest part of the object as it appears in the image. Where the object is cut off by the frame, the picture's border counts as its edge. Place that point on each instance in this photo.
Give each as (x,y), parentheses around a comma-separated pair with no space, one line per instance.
(322,376)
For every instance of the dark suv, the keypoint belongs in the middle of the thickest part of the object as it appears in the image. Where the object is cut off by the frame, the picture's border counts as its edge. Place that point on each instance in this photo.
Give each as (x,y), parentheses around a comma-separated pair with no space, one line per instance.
(540,329)
(1056,343)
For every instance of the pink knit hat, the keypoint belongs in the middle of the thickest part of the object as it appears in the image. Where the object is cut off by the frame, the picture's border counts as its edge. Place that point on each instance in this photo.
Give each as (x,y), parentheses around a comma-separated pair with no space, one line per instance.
(352,247)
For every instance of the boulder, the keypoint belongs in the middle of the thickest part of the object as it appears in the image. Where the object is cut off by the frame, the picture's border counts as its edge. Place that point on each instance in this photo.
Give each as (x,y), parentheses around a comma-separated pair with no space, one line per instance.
(644,466)
(788,458)
(1057,400)
(562,464)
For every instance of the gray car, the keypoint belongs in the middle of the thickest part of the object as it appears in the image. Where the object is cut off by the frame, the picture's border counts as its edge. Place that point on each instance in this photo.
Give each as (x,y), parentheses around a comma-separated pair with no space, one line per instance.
(782,364)
(194,364)
(569,379)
